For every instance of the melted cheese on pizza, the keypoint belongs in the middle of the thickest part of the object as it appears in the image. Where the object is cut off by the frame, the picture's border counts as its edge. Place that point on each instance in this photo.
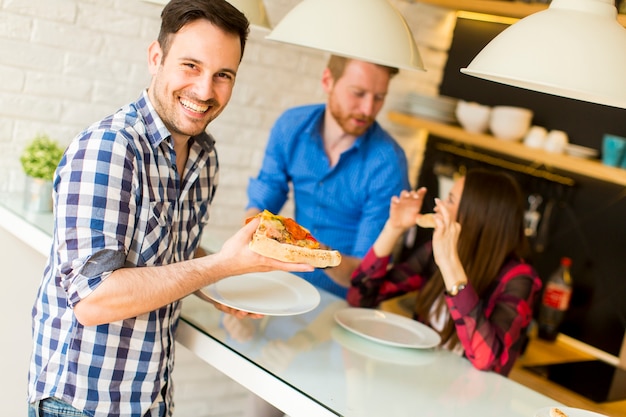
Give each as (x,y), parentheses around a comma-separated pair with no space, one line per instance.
(286,230)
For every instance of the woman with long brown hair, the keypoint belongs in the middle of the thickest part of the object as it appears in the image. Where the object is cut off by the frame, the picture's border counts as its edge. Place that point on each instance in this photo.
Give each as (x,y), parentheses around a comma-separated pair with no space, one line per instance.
(474,286)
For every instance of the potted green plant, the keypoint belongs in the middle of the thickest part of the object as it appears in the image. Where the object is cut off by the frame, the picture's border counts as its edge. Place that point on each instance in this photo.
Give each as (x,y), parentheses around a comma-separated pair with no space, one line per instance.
(39,161)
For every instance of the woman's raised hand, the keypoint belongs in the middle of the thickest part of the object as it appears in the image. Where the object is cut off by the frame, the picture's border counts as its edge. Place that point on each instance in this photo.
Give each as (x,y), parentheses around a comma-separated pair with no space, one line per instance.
(405,208)
(403,213)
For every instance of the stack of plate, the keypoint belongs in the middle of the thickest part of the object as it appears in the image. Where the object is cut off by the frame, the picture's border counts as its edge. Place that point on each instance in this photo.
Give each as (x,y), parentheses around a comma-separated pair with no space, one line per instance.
(581,151)
(439,108)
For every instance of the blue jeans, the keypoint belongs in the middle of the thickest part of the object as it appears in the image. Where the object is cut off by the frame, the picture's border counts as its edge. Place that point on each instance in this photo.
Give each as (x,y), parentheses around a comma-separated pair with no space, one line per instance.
(53,407)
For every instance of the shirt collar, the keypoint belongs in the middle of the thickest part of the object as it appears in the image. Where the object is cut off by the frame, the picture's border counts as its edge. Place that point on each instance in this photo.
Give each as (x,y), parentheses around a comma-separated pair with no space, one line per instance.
(315,130)
(156,130)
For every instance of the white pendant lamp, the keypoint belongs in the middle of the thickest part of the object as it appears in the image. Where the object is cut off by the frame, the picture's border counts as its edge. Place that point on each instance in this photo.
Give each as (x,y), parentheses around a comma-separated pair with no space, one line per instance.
(574,49)
(254,11)
(368,30)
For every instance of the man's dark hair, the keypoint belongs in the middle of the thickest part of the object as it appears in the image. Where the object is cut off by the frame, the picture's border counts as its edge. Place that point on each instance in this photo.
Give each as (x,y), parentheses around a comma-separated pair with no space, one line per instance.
(177,13)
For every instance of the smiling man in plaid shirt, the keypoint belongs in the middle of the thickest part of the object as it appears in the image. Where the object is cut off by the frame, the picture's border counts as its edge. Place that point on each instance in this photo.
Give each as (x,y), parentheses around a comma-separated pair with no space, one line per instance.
(132,196)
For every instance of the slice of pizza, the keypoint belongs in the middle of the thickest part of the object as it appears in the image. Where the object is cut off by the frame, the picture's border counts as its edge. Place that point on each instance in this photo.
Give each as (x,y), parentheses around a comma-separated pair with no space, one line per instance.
(557,412)
(282,238)
(426,221)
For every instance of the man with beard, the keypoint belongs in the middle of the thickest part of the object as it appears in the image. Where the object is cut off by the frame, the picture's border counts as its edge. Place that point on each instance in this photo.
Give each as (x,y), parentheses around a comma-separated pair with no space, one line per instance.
(343,167)
(132,196)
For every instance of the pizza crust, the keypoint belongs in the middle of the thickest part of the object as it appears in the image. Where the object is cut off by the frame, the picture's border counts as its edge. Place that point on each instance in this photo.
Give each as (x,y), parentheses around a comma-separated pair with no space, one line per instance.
(555,412)
(319,258)
(426,221)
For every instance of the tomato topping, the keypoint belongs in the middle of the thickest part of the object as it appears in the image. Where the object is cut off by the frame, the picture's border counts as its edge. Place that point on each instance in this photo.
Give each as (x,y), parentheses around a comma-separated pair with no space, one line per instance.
(294,229)
(286,230)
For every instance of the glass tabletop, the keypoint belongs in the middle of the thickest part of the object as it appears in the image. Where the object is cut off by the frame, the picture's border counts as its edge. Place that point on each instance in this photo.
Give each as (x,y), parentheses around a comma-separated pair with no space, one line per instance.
(354,376)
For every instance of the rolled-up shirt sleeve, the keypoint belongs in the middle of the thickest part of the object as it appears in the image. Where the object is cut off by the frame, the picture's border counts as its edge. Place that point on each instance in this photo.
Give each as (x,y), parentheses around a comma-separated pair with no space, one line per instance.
(83,276)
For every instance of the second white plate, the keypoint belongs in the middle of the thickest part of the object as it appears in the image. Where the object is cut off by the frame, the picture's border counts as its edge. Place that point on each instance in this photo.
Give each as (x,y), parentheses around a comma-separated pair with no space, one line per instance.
(388,328)
(581,151)
(274,293)
(379,351)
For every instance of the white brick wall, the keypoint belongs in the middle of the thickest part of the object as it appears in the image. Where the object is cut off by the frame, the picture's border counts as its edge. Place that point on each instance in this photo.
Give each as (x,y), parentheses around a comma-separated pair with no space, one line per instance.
(67,63)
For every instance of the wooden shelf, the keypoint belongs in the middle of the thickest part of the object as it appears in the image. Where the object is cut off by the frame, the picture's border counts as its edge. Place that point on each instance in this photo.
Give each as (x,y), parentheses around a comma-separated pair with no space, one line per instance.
(537,157)
(516,9)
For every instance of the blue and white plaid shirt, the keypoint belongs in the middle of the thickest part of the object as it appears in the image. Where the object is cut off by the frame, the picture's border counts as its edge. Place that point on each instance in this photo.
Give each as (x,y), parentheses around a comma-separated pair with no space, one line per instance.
(119,202)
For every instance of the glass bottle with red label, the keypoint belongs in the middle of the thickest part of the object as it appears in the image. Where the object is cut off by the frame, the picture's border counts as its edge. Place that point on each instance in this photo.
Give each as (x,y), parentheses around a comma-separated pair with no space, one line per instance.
(555,301)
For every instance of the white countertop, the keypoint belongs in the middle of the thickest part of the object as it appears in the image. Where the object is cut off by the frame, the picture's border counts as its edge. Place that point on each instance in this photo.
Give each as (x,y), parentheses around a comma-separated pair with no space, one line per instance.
(34,229)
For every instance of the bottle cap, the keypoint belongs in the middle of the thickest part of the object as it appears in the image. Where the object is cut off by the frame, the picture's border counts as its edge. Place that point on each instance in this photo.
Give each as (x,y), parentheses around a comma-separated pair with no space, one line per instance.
(565,261)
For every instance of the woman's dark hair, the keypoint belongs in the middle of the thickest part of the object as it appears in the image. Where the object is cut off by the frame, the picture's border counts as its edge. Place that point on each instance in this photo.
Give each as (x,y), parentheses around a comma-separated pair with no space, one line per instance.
(491,214)
(177,13)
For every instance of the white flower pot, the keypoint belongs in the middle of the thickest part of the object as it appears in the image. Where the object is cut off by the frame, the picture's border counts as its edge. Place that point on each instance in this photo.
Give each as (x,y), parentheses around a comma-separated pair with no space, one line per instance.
(38,195)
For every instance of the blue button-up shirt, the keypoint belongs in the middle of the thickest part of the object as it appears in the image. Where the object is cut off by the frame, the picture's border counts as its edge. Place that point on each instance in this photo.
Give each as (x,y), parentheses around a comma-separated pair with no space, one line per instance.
(119,202)
(344,206)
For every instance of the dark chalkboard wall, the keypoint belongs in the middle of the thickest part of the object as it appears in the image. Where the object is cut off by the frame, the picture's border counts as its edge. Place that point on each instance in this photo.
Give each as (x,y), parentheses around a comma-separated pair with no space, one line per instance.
(588,222)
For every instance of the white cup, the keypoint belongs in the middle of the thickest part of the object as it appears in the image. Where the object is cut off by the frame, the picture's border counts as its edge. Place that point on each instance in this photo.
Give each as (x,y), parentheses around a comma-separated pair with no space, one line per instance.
(536,137)
(556,140)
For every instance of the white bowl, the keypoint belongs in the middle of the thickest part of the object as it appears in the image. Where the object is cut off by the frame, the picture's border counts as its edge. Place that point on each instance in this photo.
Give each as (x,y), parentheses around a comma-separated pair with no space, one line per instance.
(472,116)
(509,122)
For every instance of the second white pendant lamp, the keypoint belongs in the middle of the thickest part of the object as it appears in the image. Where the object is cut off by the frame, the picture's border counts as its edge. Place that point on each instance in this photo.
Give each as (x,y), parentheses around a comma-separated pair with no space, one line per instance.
(368,30)
(574,49)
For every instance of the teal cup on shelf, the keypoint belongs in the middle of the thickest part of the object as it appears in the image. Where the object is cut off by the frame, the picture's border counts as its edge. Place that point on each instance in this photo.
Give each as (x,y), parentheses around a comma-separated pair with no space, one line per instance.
(613,150)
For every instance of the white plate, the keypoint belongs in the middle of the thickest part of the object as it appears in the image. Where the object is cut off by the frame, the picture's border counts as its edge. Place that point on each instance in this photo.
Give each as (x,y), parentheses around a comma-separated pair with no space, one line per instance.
(580,151)
(275,293)
(388,328)
(380,352)
(571,412)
